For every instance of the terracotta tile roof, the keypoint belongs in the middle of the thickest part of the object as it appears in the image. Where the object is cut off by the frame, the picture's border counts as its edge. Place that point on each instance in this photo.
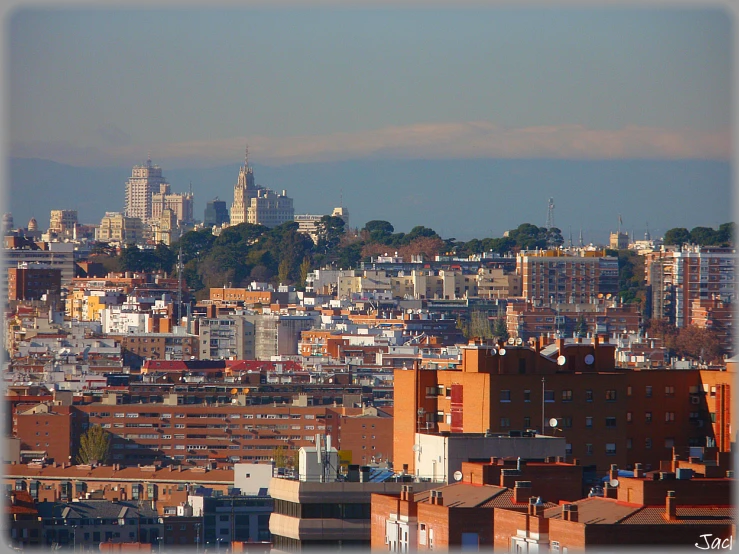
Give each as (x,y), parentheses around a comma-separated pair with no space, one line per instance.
(463,495)
(24,504)
(505,500)
(597,510)
(686,515)
(129,473)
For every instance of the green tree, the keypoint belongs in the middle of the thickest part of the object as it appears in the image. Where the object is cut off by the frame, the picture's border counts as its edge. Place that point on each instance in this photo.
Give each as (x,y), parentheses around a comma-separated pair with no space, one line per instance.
(283,271)
(379,230)
(501,329)
(705,236)
(304,269)
(480,325)
(726,234)
(581,327)
(281,457)
(677,236)
(94,445)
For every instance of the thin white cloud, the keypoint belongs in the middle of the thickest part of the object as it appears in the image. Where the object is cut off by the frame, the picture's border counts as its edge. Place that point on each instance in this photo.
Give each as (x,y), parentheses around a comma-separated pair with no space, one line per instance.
(477,139)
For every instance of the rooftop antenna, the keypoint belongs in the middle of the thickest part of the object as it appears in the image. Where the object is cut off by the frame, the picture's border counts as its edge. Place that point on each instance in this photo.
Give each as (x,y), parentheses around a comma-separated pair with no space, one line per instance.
(647,236)
(148,158)
(550,215)
(570,241)
(581,242)
(246,157)
(341,197)
(619,223)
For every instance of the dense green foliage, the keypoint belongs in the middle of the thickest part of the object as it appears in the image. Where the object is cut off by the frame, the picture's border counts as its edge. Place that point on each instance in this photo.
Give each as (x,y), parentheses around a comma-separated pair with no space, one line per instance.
(703,236)
(245,253)
(94,446)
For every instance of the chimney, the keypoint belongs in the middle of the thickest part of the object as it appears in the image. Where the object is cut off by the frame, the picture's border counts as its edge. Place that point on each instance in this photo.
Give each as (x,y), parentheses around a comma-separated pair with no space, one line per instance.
(494,461)
(439,499)
(521,491)
(573,513)
(638,471)
(671,506)
(576,461)
(613,473)
(536,506)
(675,462)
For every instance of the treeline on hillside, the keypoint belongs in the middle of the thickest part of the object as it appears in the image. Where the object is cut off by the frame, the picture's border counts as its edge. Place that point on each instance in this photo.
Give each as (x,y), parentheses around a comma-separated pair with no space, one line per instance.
(245,253)
(703,236)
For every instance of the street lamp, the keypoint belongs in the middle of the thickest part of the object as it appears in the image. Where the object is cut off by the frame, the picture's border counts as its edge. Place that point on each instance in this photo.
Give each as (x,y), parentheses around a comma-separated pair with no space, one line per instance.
(197,537)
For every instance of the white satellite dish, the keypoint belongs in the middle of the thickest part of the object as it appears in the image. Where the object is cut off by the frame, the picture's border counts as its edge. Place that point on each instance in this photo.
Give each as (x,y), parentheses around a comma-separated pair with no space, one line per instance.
(493,351)
(613,483)
(457,475)
(501,351)
(519,341)
(416,448)
(511,341)
(561,360)
(589,359)
(553,422)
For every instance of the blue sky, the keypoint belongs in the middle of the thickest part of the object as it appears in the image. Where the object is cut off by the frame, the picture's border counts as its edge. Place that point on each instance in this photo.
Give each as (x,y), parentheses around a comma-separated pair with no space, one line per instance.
(193,86)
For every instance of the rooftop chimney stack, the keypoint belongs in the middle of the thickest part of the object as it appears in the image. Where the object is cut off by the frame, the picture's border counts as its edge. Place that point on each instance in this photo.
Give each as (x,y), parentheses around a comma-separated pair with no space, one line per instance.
(671,506)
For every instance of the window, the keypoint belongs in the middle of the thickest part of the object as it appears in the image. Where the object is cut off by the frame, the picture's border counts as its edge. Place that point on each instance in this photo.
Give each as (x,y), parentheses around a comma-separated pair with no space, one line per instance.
(527,396)
(669,442)
(610,448)
(629,443)
(568,449)
(505,422)
(628,390)
(567,422)
(548,396)
(588,449)
(648,443)
(589,395)
(713,417)
(648,392)
(669,417)
(611,422)
(670,391)
(527,422)
(567,395)
(505,396)
(628,417)
(648,417)
(610,395)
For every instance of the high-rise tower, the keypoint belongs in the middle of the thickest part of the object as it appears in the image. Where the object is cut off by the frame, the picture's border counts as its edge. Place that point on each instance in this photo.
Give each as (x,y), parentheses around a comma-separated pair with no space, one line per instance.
(144,181)
(244,191)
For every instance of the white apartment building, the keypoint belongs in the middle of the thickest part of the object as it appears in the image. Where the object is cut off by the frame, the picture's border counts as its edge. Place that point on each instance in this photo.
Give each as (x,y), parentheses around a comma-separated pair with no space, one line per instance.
(145,180)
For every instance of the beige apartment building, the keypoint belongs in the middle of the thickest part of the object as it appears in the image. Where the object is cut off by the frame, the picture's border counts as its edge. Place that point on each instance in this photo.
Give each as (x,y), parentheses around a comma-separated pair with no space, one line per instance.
(256,204)
(116,227)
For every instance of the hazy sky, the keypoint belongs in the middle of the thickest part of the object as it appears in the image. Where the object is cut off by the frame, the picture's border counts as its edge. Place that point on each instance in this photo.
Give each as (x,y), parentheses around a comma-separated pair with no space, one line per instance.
(193,86)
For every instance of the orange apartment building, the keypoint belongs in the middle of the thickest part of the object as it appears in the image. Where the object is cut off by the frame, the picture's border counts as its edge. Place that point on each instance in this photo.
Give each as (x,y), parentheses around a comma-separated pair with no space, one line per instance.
(607,414)
(366,433)
(242,295)
(677,507)
(528,321)
(461,514)
(563,277)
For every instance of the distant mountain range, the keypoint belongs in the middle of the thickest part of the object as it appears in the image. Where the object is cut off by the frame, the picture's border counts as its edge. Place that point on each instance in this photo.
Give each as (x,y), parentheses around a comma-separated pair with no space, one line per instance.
(457,198)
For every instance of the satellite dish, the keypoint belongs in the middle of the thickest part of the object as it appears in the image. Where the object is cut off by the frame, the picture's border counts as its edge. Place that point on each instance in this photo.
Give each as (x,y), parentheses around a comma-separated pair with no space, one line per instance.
(457,475)
(589,359)
(416,448)
(501,351)
(561,360)
(519,341)
(553,422)
(511,341)
(613,483)
(493,351)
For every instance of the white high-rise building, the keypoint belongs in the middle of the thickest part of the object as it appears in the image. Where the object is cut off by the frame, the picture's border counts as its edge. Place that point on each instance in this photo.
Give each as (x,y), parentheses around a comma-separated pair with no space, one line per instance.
(145,180)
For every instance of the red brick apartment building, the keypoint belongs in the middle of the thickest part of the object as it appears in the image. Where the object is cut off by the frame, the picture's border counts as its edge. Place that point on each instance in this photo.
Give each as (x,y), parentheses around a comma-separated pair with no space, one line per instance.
(194,434)
(23,524)
(64,482)
(365,432)
(674,508)
(608,414)
(31,283)
(461,514)
(559,276)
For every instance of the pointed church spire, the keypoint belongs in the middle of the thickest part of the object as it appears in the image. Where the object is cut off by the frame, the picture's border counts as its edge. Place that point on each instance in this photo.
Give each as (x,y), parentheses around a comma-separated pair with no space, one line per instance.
(581,243)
